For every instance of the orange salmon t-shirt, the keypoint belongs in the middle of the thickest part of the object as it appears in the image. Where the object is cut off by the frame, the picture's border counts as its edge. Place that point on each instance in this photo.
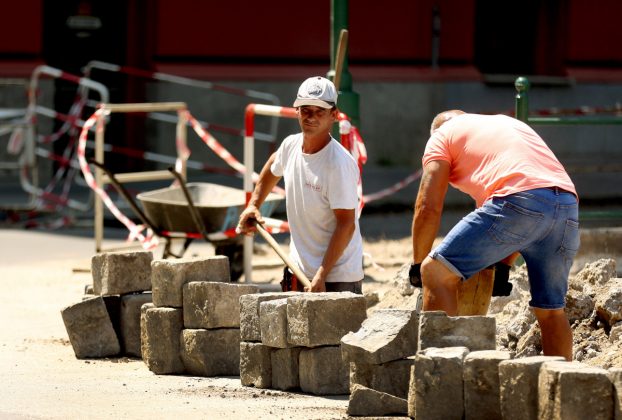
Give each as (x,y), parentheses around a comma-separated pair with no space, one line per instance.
(494,156)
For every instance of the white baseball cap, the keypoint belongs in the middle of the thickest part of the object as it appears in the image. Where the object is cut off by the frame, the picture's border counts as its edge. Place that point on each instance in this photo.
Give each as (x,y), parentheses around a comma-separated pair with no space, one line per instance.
(317,91)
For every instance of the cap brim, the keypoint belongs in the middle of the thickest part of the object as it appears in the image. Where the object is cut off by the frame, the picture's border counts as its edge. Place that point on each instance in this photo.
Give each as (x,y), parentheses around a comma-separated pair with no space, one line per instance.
(313,102)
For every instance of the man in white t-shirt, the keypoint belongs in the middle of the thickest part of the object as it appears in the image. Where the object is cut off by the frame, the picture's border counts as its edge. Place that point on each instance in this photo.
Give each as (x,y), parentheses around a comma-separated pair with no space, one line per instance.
(321,200)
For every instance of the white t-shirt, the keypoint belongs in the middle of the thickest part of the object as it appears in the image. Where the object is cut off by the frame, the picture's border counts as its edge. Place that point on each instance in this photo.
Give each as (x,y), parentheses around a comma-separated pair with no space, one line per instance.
(315,184)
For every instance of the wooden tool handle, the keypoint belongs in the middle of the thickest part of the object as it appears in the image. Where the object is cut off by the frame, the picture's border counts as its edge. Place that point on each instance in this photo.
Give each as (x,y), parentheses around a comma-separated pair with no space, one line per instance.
(297,271)
(340,55)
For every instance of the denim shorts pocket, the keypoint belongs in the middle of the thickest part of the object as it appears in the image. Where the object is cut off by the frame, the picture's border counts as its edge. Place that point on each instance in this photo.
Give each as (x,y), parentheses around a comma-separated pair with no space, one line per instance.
(514,224)
(571,240)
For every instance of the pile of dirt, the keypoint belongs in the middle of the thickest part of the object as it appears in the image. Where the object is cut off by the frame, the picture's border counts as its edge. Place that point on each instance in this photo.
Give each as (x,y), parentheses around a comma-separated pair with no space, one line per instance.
(592,305)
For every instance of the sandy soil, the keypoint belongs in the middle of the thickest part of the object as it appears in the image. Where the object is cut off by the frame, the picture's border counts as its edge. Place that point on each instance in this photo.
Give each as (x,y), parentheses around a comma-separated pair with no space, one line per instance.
(41,273)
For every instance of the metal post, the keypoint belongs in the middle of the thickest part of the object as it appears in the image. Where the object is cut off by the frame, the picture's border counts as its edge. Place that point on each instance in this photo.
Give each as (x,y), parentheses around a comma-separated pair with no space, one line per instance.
(348,101)
(522,98)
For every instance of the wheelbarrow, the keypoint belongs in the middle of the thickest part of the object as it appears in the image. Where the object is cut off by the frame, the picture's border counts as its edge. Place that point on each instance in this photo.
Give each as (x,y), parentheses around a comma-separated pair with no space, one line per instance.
(194,211)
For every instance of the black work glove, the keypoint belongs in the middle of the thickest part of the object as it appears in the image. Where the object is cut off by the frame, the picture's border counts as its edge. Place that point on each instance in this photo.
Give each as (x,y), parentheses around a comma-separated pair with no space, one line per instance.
(414,275)
(502,285)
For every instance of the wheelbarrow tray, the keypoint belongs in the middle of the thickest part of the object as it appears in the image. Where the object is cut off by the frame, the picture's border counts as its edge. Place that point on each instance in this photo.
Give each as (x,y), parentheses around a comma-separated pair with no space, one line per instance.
(218,206)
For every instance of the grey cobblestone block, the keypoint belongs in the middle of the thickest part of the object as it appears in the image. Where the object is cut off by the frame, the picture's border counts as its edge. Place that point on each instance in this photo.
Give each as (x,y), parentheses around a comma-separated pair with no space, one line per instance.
(90,330)
(213,305)
(211,352)
(118,273)
(389,334)
(130,322)
(169,276)
(322,372)
(159,337)
(318,319)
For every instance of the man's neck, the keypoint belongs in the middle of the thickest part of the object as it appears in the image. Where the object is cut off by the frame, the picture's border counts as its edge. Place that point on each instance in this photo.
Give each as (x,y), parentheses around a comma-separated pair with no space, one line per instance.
(314,144)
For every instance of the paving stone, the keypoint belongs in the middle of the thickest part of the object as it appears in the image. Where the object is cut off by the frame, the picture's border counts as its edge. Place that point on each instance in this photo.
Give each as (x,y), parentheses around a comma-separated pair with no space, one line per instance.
(285,368)
(159,336)
(118,273)
(481,384)
(250,329)
(255,365)
(518,386)
(322,372)
(130,322)
(389,334)
(213,304)
(436,329)
(392,377)
(273,323)
(368,402)
(615,375)
(211,352)
(317,319)
(90,330)
(169,276)
(436,384)
(573,390)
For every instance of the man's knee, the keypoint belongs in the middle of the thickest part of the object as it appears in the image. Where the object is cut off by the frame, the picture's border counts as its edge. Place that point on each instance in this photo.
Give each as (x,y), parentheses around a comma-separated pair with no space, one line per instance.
(434,275)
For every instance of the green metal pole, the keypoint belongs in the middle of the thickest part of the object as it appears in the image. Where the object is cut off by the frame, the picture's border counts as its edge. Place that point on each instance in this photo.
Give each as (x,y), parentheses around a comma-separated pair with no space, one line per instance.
(522,98)
(348,101)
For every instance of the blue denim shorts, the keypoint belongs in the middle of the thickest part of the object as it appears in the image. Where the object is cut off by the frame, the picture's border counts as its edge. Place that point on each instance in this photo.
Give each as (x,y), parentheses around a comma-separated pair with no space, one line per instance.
(542,224)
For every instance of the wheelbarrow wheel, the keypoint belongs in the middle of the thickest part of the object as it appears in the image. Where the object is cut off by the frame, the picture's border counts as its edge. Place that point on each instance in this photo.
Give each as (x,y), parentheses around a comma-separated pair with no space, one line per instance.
(235,253)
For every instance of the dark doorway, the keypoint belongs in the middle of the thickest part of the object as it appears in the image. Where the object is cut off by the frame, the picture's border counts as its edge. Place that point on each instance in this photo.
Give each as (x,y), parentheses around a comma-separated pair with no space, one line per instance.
(76,32)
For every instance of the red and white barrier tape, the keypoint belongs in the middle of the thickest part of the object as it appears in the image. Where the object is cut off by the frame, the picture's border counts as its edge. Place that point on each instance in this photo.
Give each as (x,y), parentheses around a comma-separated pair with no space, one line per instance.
(223,153)
(148,241)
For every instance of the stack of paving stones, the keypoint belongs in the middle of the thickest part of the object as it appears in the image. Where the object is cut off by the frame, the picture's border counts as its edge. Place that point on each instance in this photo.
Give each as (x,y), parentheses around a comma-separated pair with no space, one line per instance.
(193,324)
(107,321)
(456,373)
(378,355)
(291,341)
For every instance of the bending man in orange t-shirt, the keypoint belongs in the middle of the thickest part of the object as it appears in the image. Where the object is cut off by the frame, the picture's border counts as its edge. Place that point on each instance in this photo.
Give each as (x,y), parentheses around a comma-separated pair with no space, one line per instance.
(526,203)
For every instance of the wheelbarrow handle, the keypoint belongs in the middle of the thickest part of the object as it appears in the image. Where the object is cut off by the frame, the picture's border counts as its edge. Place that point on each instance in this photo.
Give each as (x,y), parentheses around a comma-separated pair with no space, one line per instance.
(193,210)
(121,189)
(292,266)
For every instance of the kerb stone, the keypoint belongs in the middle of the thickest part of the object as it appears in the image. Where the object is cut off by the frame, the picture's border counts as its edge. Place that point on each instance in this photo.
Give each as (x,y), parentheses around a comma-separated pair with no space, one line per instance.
(391,377)
(250,329)
(211,352)
(518,386)
(322,372)
(90,330)
(169,276)
(273,323)
(159,336)
(130,322)
(368,402)
(389,334)
(255,365)
(213,305)
(285,367)
(318,319)
(573,390)
(118,273)
(436,385)
(436,329)
(481,384)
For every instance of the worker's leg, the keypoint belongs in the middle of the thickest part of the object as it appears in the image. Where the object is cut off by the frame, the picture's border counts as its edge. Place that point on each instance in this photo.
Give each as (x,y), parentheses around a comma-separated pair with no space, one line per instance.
(556,332)
(440,286)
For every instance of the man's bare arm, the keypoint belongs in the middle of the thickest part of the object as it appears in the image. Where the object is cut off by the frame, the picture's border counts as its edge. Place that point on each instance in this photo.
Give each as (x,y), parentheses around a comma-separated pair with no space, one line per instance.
(429,207)
(265,184)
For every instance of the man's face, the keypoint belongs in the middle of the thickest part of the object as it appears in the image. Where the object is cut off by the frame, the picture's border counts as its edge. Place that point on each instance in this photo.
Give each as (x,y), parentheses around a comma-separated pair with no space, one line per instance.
(315,120)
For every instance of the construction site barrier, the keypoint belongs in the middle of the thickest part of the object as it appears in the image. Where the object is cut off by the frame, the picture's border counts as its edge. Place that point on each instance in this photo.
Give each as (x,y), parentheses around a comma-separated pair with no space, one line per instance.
(98,119)
(24,139)
(253,95)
